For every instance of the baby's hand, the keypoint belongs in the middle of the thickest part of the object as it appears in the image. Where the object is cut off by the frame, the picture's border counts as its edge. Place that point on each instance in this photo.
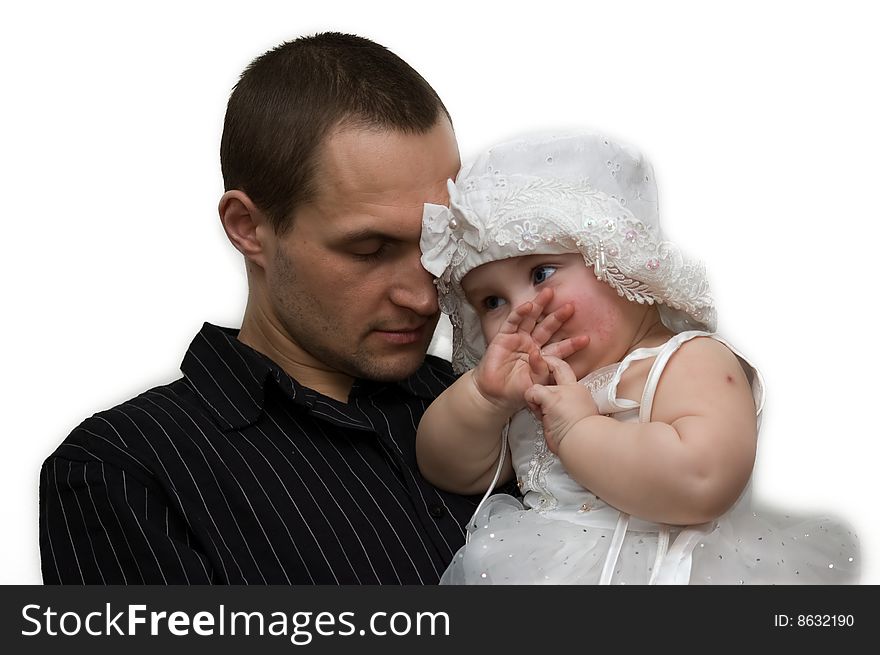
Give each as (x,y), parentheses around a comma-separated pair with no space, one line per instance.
(513,361)
(545,328)
(560,405)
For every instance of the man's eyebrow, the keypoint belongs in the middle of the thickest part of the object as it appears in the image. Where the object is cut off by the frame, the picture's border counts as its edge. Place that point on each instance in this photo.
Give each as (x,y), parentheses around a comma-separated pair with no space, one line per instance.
(366,234)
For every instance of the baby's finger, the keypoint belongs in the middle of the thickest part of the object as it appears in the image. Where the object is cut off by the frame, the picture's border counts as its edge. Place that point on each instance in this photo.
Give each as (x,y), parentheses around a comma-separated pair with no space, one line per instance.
(562,372)
(536,395)
(533,316)
(515,318)
(551,323)
(536,307)
(540,369)
(543,299)
(567,347)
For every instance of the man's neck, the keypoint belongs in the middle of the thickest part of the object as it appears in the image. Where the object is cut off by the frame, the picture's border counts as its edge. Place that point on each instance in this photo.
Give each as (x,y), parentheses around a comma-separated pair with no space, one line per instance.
(268,338)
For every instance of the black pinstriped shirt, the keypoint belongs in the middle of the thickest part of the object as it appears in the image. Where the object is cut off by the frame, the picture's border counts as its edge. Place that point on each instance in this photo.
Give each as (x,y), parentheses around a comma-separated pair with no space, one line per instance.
(237,474)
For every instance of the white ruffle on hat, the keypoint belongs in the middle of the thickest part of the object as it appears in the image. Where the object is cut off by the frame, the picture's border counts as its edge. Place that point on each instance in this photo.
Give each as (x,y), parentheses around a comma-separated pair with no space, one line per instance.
(553,195)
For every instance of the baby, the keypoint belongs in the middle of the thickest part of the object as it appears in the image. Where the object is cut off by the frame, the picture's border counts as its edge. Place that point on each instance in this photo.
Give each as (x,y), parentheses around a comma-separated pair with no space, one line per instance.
(587,343)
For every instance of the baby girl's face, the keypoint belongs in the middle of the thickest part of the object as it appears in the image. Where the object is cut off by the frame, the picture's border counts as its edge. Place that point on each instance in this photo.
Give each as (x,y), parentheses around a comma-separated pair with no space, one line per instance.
(611,321)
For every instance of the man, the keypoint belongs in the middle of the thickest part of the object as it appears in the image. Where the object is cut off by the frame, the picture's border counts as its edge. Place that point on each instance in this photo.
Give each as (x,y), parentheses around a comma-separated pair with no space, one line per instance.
(285,453)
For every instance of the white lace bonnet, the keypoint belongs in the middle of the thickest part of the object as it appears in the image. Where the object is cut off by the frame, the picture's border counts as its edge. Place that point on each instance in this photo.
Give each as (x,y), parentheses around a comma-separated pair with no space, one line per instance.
(551,195)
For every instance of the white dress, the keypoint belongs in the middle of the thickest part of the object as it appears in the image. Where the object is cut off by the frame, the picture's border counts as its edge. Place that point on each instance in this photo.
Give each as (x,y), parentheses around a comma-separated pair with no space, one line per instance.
(563,534)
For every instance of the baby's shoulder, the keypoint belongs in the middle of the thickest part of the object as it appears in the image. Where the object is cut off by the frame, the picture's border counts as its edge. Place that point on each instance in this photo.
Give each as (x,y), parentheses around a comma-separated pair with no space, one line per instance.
(702,353)
(693,364)
(703,375)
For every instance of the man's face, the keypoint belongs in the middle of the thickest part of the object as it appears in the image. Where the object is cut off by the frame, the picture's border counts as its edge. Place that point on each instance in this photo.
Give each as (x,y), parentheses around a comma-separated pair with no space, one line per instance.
(345,282)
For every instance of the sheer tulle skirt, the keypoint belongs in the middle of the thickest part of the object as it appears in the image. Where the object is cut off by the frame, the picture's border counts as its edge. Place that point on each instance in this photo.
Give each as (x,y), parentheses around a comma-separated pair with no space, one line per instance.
(513,545)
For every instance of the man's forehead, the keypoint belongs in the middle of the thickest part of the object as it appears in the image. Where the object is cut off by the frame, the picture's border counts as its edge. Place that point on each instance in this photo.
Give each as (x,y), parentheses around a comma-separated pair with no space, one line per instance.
(383,166)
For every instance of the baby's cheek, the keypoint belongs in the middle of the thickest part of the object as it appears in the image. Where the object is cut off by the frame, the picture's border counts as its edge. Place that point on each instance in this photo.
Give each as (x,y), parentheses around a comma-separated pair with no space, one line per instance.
(603,324)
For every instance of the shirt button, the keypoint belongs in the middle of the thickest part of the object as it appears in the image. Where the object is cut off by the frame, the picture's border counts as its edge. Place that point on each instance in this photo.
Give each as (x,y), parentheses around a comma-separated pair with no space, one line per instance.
(437,511)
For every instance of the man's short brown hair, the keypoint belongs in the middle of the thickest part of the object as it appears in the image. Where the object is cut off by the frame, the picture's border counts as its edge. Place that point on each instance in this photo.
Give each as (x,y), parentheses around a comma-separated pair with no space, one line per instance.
(289,98)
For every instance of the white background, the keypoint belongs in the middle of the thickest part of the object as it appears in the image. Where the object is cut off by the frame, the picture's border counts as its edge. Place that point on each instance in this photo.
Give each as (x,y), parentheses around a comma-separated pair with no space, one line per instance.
(760,119)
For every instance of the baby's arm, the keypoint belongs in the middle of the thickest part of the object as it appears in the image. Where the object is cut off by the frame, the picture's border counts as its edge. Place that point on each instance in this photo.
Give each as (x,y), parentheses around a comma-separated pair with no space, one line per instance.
(459,437)
(686,466)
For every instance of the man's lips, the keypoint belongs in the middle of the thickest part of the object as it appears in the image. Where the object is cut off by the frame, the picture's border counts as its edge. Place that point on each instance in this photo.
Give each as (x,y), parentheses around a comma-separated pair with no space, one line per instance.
(402,335)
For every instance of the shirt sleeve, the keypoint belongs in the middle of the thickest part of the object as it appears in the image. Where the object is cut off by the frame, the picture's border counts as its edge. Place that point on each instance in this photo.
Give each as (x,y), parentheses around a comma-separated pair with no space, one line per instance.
(101,525)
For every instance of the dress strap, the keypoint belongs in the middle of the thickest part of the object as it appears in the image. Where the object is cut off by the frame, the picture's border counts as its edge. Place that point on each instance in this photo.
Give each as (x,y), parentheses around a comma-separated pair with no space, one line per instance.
(662,354)
(665,351)
(634,356)
(472,523)
(673,564)
(614,548)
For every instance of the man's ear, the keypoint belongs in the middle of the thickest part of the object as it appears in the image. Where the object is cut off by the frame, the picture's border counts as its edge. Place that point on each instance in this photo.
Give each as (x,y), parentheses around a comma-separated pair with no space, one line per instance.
(245,225)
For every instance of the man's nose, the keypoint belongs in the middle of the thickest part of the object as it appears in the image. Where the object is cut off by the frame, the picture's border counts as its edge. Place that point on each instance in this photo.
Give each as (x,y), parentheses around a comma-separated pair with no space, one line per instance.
(414,288)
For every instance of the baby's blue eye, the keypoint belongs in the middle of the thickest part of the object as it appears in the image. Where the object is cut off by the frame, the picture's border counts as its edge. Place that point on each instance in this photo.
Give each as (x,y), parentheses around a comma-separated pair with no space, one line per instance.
(493,302)
(542,273)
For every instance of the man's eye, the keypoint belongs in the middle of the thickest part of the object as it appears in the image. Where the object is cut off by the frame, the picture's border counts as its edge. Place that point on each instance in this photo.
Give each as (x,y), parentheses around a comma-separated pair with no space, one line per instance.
(372,255)
(542,274)
(493,302)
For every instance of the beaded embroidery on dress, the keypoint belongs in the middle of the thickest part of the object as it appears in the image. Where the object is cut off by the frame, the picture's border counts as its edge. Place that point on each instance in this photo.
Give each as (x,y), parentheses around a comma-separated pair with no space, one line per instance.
(563,534)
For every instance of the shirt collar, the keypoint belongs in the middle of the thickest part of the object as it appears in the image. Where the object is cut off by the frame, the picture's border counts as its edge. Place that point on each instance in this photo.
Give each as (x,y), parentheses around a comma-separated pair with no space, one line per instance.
(231,378)
(432,378)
